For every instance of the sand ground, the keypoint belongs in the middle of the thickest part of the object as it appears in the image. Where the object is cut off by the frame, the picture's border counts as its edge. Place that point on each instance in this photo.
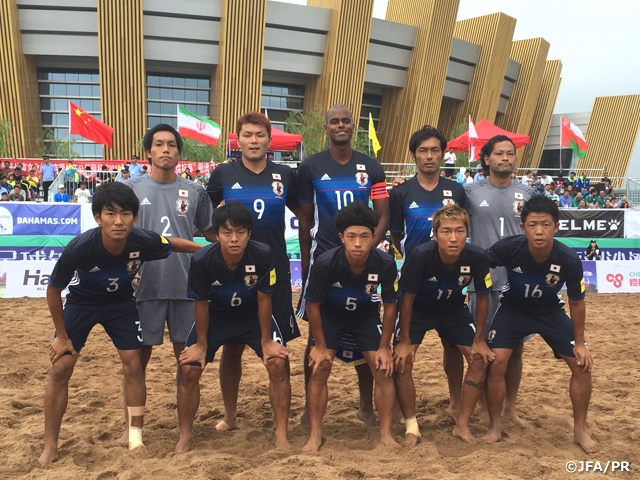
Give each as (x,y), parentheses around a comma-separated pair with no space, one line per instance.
(93,421)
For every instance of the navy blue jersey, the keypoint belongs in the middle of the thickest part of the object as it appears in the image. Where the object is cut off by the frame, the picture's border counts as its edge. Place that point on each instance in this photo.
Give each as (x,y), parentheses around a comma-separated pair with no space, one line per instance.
(265,194)
(438,287)
(333,284)
(536,285)
(412,208)
(331,186)
(103,278)
(232,293)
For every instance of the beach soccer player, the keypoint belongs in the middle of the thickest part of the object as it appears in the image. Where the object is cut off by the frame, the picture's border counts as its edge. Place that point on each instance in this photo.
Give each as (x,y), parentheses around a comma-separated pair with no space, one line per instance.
(342,297)
(104,261)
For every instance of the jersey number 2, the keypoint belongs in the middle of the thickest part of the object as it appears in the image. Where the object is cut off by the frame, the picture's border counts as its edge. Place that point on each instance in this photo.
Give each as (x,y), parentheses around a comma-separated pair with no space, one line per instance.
(166,232)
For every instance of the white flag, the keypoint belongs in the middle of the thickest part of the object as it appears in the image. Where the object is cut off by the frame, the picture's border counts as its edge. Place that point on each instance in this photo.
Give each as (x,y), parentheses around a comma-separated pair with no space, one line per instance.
(473,140)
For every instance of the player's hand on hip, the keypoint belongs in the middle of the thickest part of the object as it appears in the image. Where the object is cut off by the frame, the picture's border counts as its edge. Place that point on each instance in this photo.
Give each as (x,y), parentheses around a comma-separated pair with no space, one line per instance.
(196,353)
(317,356)
(481,348)
(583,357)
(273,349)
(384,361)
(397,182)
(401,353)
(59,347)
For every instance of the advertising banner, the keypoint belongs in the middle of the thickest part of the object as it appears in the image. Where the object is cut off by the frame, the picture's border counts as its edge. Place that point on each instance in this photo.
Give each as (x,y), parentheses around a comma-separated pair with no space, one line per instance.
(18,218)
(24,279)
(618,277)
(591,223)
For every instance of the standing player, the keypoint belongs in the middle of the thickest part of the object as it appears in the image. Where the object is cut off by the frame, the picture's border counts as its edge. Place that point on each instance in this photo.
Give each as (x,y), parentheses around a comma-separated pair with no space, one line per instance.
(494,207)
(173,207)
(265,188)
(537,268)
(342,298)
(105,260)
(327,182)
(231,282)
(432,283)
(413,203)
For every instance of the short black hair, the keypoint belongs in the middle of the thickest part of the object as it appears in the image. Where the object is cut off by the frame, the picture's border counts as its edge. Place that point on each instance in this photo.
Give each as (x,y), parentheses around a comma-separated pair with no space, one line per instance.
(356,213)
(540,204)
(235,213)
(487,148)
(425,133)
(112,195)
(161,127)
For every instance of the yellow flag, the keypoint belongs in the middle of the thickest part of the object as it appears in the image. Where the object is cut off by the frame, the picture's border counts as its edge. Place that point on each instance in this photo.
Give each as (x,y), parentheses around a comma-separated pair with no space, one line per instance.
(373,137)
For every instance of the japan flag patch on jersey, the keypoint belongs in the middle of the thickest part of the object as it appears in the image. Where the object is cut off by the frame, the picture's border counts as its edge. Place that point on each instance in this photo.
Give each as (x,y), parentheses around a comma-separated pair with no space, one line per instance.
(447,193)
(250,268)
(183,193)
(554,268)
(372,277)
(519,196)
(360,167)
(134,254)
(276,176)
(465,269)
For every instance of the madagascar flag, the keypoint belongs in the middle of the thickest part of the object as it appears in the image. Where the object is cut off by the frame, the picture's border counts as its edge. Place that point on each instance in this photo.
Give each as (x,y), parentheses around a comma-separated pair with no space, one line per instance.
(83,124)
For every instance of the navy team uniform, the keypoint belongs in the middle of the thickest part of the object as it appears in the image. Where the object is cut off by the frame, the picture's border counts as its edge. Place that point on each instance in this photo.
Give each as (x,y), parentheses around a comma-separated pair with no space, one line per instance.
(348,302)
(102,293)
(412,208)
(530,301)
(439,298)
(265,194)
(232,295)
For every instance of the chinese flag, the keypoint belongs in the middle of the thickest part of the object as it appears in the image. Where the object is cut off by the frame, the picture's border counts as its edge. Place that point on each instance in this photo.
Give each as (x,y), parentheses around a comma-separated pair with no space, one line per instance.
(81,123)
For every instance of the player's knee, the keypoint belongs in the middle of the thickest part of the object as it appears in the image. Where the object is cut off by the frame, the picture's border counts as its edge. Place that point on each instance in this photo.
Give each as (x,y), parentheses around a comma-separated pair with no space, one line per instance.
(277,368)
(132,367)
(324,369)
(477,364)
(61,371)
(497,367)
(190,375)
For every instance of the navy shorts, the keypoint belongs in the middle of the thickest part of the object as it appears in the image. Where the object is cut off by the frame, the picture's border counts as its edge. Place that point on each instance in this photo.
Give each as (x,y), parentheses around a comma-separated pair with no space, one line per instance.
(510,326)
(366,330)
(456,326)
(233,330)
(121,322)
(282,308)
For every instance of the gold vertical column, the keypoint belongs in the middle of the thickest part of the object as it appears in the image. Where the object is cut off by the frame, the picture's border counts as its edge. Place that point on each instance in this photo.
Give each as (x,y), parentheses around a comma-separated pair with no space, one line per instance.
(122,74)
(237,79)
(345,58)
(418,103)
(542,116)
(494,34)
(19,98)
(531,54)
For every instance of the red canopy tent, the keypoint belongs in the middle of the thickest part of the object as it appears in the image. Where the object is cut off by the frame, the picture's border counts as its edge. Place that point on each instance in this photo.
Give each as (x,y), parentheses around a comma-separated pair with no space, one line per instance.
(485,130)
(279,140)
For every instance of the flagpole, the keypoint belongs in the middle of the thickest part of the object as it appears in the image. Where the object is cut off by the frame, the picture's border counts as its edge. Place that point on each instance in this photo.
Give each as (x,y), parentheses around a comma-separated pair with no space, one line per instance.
(560,147)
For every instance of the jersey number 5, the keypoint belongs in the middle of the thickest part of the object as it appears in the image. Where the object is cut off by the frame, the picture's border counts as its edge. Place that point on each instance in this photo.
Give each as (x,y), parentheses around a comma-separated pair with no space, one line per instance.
(351,303)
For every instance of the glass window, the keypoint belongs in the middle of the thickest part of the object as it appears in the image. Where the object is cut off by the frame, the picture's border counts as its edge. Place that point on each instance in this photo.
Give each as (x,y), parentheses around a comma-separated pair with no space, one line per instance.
(190,95)
(73,90)
(47,119)
(166,94)
(153,93)
(45,104)
(203,83)
(85,78)
(153,80)
(167,109)
(59,89)
(178,82)
(190,92)
(203,110)
(202,96)
(57,76)
(153,108)
(166,81)
(85,90)
(178,95)
(191,82)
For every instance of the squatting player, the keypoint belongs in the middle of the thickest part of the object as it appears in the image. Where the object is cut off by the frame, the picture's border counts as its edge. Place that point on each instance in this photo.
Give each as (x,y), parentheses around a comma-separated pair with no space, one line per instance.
(327,182)
(266,189)
(537,268)
(232,282)
(105,260)
(342,298)
(412,204)
(494,206)
(432,282)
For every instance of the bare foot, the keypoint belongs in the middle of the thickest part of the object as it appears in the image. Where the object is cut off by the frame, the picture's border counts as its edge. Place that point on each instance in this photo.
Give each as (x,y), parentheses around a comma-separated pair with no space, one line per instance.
(226,425)
(48,456)
(282,441)
(388,441)
(139,451)
(464,434)
(585,441)
(304,419)
(313,445)
(453,411)
(513,416)
(483,416)
(369,418)
(124,439)
(410,440)
(493,435)
(183,445)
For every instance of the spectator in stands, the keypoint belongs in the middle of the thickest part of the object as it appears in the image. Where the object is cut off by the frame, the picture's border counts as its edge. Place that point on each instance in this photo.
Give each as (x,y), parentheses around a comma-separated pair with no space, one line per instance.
(4,186)
(82,194)
(103,176)
(607,203)
(61,196)
(577,199)
(513,176)
(208,174)
(565,200)
(569,188)
(187,174)
(467,177)
(593,251)
(11,180)
(583,182)
(526,178)
(6,170)
(144,170)
(606,180)
(135,169)
(18,194)
(17,174)
(582,205)
(560,181)
(614,201)
(71,177)
(126,174)
(32,180)
(48,173)
(545,180)
(624,203)
(449,163)
(4,197)
(572,179)
(601,198)
(477,177)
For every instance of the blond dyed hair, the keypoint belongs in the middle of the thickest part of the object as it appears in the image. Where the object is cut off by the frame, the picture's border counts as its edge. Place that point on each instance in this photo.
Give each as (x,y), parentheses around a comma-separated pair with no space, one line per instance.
(450,212)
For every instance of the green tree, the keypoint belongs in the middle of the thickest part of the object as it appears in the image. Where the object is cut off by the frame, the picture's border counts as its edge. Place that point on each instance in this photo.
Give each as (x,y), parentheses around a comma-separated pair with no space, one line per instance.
(5,138)
(194,151)
(311,127)
(361,143)
(65,149)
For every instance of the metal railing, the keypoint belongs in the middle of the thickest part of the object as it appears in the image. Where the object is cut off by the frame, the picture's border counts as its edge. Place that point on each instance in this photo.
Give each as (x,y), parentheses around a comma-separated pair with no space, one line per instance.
(72,182)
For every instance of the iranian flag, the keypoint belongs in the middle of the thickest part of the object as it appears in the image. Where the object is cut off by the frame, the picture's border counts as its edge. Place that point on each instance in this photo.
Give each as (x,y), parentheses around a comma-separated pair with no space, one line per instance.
(199,128)
(572,138)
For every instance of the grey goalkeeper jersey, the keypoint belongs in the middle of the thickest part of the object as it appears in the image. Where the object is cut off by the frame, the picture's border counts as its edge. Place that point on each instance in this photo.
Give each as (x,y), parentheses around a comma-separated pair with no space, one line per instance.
(495,214)
(171,209)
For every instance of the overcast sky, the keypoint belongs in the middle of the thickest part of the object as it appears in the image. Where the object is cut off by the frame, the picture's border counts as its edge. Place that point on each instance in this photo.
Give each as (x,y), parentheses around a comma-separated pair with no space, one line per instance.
(597,42)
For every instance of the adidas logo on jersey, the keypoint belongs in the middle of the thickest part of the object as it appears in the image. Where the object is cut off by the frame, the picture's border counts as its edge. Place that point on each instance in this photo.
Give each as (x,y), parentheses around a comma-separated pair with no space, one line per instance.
(94,270)
(325,177)
(433,279)
(236,186)
(216,284)
(337,285)
(517,270)
(484,204)
(414,205)
(145,201)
